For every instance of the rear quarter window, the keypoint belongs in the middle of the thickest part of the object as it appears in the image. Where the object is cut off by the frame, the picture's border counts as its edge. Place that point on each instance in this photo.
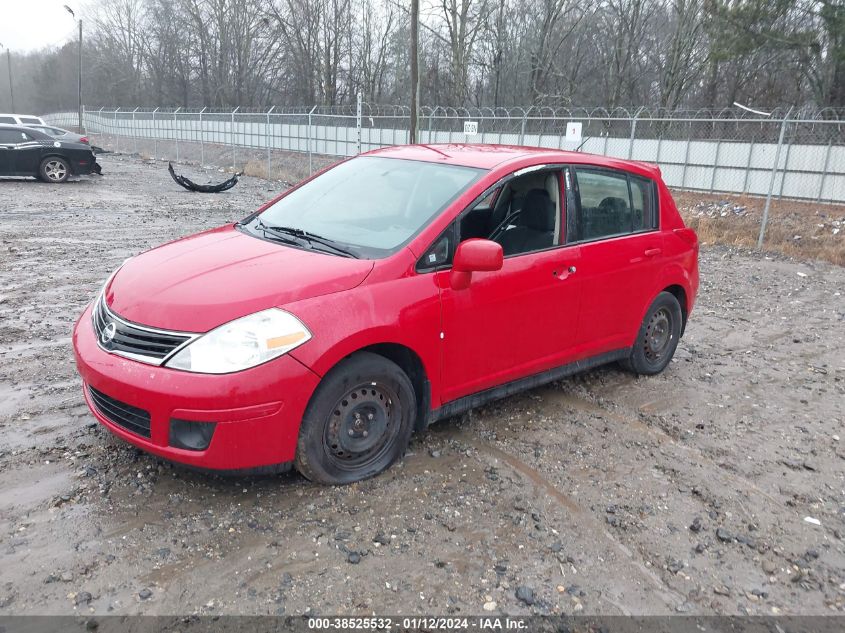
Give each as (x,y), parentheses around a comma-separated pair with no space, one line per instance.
(29,119)
(643,204)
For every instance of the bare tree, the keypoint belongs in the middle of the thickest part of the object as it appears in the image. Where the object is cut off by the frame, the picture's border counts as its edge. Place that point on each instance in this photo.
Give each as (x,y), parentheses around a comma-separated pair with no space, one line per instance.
(669,53)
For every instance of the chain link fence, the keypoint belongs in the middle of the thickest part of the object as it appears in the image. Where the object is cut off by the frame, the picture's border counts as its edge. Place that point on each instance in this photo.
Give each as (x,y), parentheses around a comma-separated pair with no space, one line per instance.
(798,154)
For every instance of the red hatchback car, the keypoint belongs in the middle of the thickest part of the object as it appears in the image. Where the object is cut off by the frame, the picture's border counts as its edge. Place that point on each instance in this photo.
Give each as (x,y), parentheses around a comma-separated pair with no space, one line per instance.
(391,290)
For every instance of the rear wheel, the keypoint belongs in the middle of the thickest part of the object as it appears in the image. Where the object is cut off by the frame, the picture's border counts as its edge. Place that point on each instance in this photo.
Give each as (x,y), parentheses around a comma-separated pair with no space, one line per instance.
(358,422)
(54,169)
(657,338)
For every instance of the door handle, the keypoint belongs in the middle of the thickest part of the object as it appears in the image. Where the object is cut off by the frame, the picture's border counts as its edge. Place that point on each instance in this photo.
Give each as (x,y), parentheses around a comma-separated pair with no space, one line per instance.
(652,252)
(563,274)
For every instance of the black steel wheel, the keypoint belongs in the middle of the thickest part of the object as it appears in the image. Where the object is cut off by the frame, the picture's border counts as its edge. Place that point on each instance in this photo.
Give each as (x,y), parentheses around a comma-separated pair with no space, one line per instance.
(658,336)
(358,422)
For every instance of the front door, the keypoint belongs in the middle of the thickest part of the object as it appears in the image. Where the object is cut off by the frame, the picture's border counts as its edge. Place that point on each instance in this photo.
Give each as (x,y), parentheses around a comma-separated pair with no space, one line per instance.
(522,319)
(509,323)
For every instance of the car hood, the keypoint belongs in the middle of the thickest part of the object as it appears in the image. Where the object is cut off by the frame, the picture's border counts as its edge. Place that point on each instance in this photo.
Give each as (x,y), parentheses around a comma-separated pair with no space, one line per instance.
(199,282)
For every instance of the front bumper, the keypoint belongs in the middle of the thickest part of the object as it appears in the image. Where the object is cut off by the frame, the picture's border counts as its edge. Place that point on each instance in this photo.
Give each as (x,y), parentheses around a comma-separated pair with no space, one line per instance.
(257,411)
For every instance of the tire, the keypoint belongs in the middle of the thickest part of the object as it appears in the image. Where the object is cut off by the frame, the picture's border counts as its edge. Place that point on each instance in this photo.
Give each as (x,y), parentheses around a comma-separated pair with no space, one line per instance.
(359,421)
(657,338)
(54,169)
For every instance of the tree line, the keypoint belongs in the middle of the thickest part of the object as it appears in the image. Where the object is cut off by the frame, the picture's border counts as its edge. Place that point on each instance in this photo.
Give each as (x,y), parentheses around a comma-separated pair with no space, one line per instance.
(257,53)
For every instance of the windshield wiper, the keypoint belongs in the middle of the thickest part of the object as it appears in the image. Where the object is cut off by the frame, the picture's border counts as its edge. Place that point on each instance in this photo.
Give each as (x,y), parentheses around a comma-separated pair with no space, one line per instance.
(311,238)
(265,229)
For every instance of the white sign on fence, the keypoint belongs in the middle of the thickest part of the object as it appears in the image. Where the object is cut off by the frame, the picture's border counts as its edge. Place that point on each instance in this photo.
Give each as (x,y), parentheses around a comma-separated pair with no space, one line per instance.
(470,128)
(573,131)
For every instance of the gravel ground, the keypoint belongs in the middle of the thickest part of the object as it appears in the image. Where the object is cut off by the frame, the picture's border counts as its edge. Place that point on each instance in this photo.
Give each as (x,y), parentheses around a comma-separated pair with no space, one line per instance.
(715,488)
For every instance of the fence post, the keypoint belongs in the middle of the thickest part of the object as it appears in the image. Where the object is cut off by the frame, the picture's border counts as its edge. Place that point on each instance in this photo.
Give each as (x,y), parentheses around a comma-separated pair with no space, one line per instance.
(155,136)
(748,167)
(686,159)
(234,149)
(267,134)
(310,161)
(134,131)
(202,140)
(715,165)
(785,165)
(358,123)
(772,180)
(522,128)
(116,133)
(176,132)
(431,123)
(633,134)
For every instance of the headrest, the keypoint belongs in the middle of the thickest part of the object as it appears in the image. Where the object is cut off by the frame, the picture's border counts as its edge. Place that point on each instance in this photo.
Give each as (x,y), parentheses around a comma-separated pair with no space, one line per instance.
(613,204)
(538,211)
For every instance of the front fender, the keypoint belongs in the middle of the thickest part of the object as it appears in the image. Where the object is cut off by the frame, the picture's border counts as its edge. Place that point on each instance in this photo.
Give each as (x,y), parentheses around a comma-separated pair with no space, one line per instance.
(404,311)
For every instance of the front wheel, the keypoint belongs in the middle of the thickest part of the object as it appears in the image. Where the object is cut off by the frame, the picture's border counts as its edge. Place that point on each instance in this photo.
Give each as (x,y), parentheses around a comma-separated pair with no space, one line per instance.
(657,338)
(359,421)
(54,169)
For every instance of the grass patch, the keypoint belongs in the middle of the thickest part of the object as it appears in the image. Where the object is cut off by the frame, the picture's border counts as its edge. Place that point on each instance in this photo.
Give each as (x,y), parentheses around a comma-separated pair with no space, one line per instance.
(803,230)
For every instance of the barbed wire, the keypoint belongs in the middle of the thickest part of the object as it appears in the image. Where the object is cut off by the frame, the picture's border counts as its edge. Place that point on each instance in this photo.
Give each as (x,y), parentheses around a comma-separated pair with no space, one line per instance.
(643,113)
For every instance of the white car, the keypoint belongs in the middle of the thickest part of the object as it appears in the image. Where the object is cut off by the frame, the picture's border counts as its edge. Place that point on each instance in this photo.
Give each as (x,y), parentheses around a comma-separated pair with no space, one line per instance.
(21,119)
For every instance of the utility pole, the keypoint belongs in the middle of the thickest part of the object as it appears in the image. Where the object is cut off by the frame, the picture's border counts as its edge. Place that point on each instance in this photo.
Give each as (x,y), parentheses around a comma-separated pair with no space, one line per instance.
(79,87)
(79,84)
(415,69)
(11,88)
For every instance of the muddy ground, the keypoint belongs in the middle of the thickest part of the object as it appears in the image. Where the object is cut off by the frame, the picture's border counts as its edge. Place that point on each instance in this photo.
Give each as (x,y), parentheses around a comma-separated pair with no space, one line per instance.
(717,487)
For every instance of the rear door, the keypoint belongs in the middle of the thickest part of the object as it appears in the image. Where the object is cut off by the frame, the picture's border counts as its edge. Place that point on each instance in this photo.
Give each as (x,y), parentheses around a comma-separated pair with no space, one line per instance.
(616,225)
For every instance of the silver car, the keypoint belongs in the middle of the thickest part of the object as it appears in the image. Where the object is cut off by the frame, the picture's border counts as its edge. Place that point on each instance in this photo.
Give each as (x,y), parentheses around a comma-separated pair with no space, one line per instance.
(60,134)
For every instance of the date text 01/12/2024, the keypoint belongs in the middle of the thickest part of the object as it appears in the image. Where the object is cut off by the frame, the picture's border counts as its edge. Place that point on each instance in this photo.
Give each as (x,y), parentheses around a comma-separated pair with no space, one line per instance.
(418,623)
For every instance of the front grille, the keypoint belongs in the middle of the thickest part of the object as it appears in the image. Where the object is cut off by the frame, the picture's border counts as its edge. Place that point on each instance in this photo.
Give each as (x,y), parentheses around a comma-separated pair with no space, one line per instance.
(145,344)
(124,415)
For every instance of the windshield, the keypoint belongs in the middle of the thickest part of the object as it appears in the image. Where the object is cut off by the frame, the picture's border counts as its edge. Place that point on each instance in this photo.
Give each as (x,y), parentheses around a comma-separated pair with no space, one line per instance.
(370,205)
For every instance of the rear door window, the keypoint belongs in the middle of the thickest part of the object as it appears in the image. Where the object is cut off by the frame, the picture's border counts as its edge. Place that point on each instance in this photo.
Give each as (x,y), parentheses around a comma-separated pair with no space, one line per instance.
(605,204)
(611,203)
(7,119)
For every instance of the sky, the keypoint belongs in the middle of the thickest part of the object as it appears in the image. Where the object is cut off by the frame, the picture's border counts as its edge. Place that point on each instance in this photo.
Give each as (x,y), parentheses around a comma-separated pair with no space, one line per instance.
(27,25)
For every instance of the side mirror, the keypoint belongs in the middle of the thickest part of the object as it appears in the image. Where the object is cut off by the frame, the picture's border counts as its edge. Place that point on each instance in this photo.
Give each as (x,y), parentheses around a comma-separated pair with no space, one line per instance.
(474,255)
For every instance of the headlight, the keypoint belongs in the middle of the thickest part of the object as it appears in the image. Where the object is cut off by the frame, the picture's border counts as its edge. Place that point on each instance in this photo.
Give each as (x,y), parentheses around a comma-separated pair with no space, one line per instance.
(243,343)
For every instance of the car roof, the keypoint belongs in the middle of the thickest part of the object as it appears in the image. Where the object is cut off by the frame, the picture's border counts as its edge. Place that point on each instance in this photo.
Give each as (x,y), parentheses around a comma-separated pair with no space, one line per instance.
(484,156)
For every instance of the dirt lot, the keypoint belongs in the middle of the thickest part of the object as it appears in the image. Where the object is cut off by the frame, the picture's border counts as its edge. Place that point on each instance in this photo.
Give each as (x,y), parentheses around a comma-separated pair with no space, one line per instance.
(717,487)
